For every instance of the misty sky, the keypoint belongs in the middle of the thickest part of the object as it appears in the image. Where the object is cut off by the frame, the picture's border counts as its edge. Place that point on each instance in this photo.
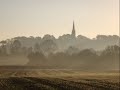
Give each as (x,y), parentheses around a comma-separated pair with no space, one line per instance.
(39,17)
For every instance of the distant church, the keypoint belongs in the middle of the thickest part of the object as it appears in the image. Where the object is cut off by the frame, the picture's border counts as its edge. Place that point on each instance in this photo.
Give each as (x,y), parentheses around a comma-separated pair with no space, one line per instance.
(73,31)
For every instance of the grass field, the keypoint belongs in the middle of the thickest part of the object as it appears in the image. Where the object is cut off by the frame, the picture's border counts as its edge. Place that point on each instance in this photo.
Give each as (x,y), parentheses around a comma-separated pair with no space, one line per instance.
(58,80)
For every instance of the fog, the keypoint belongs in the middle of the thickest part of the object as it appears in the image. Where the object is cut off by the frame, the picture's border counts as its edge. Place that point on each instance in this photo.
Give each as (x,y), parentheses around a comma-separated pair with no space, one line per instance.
(66,52)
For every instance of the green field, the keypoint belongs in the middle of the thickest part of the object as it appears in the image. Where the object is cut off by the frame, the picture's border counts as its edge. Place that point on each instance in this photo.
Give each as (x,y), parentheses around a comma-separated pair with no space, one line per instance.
(58,80)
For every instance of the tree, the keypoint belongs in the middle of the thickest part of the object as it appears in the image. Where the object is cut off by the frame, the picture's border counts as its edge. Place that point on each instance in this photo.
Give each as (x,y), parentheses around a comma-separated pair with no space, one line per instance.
(72,50)
(37,47)
(3,42)
(3,48)
(48,46)
(48,37)
(16,47)
(111,50)
(110,57)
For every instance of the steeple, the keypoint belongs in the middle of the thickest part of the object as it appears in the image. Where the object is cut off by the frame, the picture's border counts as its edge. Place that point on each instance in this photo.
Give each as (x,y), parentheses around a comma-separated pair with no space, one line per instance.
(73,30)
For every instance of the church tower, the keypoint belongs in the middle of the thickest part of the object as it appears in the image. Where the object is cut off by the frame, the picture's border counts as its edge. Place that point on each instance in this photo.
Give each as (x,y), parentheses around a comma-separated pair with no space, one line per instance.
(73,31)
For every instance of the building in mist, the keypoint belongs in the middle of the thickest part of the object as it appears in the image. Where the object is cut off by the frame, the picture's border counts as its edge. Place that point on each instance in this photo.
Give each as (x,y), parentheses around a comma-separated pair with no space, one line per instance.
(73,31)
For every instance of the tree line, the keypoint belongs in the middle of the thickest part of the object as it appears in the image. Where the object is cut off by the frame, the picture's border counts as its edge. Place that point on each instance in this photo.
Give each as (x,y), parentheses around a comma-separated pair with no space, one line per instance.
(84,59)
(46,54)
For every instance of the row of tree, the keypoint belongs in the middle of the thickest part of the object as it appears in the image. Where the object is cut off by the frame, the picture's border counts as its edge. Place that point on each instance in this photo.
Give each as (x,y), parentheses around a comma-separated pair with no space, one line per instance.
(15,47)
(46,53)
(66,40)
(87,59)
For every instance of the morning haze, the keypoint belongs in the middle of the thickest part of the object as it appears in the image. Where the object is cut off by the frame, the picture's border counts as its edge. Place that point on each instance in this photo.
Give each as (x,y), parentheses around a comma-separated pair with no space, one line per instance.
(59,45)
(40,17)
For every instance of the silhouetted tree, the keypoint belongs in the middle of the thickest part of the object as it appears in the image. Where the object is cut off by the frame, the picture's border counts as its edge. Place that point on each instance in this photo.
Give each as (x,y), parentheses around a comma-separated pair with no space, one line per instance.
(16,47)
(37,47)
(48,46)
(72,50)
(111,50)
(48,37)
(3,48)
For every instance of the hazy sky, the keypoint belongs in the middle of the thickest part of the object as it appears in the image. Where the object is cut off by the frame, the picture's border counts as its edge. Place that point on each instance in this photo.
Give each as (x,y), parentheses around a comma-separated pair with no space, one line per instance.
(39,17)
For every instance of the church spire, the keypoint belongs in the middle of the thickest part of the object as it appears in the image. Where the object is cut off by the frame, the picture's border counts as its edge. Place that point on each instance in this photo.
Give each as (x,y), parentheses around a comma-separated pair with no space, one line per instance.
(73,30)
